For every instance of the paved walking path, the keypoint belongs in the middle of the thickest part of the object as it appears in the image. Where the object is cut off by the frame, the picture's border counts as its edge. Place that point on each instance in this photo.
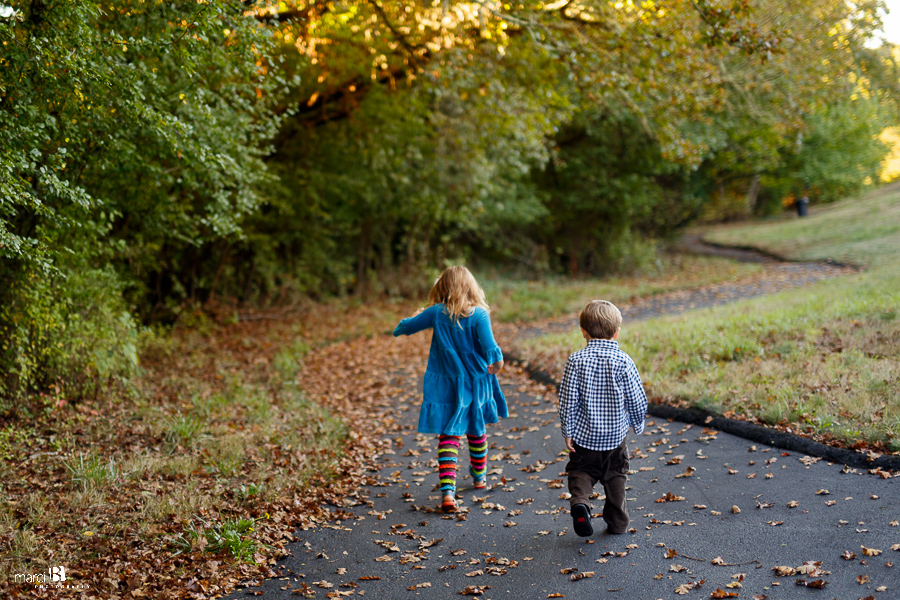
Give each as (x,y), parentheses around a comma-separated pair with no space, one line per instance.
(516,539)
(708,510)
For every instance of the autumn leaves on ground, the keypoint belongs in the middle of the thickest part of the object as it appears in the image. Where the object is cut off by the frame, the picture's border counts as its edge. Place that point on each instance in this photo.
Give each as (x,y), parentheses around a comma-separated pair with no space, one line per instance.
(194,476)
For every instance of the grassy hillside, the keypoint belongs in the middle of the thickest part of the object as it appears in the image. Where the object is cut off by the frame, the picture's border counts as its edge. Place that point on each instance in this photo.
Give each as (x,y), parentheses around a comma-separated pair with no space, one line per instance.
(864,231)
(823,359)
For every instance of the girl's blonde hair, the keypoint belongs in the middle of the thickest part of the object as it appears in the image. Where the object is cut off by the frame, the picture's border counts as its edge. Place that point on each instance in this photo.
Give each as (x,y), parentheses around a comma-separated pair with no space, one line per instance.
(458,291)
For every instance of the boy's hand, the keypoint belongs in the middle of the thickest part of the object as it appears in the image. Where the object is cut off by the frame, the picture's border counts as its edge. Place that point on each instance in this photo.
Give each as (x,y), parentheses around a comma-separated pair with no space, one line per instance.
(496,367)
(570,444)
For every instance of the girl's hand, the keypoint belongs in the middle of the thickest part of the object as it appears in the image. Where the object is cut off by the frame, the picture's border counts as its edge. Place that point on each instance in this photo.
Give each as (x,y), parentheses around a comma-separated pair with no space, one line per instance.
(496,367)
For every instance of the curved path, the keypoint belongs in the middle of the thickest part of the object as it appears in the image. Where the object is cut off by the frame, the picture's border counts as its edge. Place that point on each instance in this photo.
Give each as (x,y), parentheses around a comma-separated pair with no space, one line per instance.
(776,276)
(708,510)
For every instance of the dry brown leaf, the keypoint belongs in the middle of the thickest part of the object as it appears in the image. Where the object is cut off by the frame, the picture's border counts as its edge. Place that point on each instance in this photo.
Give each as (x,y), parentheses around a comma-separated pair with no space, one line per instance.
(870,551)
(670,497)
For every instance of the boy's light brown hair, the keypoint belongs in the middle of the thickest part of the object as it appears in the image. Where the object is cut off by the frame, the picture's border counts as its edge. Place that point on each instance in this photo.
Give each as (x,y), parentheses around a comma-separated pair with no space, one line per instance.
(601,319)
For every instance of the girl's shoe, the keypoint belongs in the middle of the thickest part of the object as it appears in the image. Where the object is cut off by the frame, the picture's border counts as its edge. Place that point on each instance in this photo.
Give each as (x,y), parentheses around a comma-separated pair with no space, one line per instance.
(480,483)
(449,505)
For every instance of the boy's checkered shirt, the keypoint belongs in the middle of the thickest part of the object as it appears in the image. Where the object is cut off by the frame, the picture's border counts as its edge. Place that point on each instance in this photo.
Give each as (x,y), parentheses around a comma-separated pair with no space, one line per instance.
(601,396)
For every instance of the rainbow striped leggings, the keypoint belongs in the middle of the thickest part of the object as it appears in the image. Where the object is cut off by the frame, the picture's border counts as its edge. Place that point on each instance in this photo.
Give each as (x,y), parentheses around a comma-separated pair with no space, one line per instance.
(448,455)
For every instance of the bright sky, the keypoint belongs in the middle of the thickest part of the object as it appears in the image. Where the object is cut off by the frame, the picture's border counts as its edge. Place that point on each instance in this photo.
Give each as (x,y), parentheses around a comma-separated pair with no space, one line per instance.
(892,22)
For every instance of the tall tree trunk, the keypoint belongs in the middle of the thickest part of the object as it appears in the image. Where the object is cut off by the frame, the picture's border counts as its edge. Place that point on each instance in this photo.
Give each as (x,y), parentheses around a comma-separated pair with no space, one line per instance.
(362,267)
(752,193)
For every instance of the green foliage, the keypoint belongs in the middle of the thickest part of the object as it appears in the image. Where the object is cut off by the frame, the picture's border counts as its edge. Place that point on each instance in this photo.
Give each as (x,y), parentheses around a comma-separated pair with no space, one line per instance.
(133,136)
(234,536)
(62,333)
(839,155)
(609,189)
(162,155)
(92,473)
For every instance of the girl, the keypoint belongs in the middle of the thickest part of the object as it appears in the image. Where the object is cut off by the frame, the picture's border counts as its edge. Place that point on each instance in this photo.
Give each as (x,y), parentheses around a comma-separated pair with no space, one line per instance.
(462,393)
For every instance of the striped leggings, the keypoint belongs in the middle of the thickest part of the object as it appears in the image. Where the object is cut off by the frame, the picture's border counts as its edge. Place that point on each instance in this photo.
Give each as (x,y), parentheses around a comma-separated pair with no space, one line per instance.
(448,455)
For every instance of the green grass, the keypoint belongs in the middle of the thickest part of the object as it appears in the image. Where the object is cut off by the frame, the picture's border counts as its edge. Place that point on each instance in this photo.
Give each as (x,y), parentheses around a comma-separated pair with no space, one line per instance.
(521,300)
(823,359)
(233,537)
(864,231)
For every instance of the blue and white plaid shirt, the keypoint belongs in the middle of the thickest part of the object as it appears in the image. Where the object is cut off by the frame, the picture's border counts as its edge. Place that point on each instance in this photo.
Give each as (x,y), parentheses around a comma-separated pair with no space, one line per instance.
(601,396)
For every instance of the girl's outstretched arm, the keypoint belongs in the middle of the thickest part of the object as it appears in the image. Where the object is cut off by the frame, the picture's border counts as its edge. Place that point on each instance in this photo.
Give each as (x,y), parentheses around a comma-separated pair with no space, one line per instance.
(422,319)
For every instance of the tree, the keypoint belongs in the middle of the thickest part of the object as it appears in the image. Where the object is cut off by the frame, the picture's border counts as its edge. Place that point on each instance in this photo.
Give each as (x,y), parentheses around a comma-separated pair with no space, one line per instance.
(133,136)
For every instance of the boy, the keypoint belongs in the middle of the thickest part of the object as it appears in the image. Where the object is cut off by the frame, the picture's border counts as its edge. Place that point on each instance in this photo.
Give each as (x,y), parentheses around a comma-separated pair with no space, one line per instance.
(600,396)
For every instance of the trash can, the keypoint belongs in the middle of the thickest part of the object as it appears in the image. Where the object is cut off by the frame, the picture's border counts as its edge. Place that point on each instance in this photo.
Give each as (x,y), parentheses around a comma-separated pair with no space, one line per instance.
(802,206)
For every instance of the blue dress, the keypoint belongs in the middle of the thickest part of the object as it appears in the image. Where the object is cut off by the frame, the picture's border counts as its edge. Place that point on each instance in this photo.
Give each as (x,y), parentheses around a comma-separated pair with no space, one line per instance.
(461,397)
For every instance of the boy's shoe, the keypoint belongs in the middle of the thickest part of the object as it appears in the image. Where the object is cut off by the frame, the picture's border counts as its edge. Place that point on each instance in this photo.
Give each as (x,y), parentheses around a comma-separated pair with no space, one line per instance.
(480,483)
(449,505)
(581,520)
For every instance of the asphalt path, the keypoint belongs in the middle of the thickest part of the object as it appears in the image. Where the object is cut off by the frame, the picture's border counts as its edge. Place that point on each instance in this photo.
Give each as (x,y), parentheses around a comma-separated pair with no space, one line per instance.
(709,510)
(515,539)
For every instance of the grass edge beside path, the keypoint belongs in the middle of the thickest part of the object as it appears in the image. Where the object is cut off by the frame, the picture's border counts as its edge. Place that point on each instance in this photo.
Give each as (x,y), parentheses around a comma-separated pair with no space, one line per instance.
(821,360)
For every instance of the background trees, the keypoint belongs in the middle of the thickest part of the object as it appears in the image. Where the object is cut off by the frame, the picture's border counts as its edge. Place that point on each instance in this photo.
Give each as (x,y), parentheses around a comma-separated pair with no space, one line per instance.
(157,155)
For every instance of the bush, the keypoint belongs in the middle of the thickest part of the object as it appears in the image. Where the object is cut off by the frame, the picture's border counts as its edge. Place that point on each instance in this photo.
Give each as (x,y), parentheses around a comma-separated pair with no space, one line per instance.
(63,333)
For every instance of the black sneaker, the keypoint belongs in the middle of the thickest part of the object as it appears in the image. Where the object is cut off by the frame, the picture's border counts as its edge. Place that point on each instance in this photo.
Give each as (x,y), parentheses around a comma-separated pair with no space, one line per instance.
(581,520)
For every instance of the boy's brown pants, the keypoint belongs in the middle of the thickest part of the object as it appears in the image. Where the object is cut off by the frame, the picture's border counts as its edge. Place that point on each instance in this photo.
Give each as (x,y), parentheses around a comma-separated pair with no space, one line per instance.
(610,467)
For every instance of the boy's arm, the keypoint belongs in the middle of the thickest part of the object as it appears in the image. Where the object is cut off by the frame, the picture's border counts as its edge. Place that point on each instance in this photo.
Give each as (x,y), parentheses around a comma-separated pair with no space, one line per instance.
(635,397)
(568,400)
(423,319)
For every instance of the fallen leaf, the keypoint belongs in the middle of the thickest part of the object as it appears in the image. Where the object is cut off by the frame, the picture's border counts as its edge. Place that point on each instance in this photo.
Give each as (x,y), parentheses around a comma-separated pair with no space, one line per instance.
(784,571)
(474,590)
(812,583)
(793,504)
(720,593)
(822,492)
(847,555)
(582,575)
(718,561)
(735,509)
(670,497)
(870,551)
(684,588)
(677,568)
(863,579)
(812,568)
